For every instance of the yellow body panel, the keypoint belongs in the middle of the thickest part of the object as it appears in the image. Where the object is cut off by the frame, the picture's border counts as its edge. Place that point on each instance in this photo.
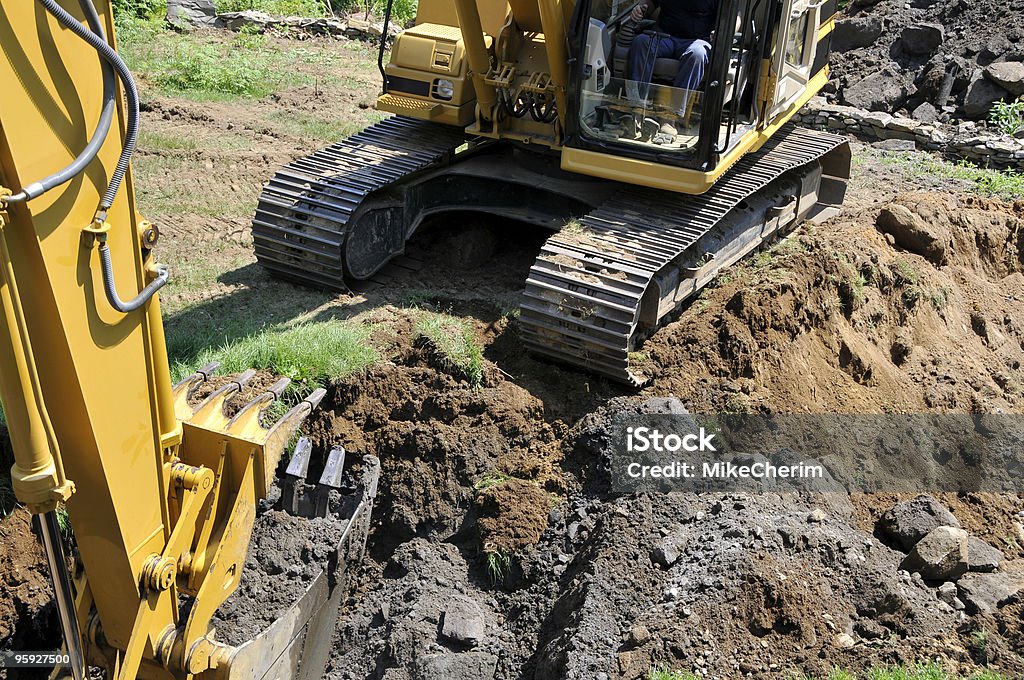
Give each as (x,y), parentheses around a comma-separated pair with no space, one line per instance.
(159,507)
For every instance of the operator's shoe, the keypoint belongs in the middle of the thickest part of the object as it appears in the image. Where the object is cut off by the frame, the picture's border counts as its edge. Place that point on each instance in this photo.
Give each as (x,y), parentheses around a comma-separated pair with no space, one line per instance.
(633,92)
(668,129)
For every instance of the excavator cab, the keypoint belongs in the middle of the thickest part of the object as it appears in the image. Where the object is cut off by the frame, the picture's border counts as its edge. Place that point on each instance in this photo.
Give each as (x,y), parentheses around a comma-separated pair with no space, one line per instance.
(621,112)
(763,56)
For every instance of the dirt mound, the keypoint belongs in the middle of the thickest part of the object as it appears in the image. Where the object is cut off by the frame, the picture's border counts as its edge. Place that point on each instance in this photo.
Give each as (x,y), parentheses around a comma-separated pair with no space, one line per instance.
(928,57)
(842,319)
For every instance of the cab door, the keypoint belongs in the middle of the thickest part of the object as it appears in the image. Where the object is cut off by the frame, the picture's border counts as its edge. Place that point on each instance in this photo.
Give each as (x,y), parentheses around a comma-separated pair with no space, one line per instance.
(795,51)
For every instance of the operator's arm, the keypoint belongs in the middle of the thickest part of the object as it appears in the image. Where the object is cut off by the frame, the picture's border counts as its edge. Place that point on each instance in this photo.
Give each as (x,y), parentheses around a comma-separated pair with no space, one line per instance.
(642,9)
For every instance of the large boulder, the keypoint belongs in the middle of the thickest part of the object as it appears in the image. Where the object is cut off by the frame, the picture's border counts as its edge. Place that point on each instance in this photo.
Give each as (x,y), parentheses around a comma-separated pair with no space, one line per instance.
(877,92)
(981,556)
(1008,75)
(981,95)
(851,34)
(922,39)
(983,593)
(463,622)
(908,522)
(939,556)
(917,224)
(190,13)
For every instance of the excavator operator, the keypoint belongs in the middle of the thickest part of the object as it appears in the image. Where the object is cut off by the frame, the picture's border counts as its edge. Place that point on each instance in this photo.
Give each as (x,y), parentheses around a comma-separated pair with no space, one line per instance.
(683,33)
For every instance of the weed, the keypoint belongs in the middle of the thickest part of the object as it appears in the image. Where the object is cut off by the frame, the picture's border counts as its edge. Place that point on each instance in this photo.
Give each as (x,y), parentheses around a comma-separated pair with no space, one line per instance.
(64,521)
(455,344)
(907,272)
(978,645)
(857,286)
(315,352)
(639,357)
(492,479)
(1007,117)
(206,69)
(499,565)
(939,298)
(141,9)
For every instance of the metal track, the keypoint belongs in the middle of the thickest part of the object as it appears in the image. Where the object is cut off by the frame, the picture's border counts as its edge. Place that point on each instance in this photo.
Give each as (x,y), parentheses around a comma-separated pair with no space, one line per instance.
(304,211)
(584,294)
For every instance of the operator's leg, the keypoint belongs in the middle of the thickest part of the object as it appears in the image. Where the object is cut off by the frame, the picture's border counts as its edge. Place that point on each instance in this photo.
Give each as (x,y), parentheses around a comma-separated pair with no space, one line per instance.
(644,51)
(693,56)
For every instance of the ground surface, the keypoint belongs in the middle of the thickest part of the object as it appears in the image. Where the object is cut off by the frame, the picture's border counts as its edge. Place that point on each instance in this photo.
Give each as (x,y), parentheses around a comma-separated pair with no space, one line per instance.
(838,318)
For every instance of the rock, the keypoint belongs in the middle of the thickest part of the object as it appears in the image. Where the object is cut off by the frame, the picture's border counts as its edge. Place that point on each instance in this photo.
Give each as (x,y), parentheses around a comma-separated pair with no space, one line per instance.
(188,13)
(877,92)
(667,551)
(896,145)
(462,666)
(463,622)
(917,229)
(941,555)
(922,39)
(926,113)
(816,516)
(235,21)
(980,96)
(1009,75)
(983,593)
(638,635)
(851,34)
(843,641)
(947,592)
(908,522)
(981,556)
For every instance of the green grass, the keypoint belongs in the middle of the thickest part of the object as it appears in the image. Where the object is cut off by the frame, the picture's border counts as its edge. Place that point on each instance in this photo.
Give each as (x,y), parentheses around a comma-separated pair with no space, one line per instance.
(308,126)
(1007,185)
(492,479)
(456,346)
(310,353)
(665,674)
(303,8)
(499,565)
(919,671)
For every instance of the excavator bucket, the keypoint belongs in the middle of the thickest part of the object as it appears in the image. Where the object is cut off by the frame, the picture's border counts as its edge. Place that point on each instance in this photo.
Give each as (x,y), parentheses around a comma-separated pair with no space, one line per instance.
(247,456)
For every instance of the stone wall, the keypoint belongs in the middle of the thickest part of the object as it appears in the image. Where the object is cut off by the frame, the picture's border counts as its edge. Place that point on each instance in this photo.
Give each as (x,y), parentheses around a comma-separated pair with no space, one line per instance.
(967,140)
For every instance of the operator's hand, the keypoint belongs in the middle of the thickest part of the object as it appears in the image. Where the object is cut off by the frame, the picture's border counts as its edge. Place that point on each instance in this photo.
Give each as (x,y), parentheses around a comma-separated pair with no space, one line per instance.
(638,12)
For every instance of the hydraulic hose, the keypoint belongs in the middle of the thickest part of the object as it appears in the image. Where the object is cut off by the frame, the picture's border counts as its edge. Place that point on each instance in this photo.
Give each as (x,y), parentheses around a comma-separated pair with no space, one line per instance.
(111,290)
(99,135)
(131,94)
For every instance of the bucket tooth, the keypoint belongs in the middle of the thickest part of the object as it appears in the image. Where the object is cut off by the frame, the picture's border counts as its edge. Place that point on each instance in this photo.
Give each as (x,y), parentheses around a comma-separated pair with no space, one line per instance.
(246,423)
(330,480)
(184,390)
(210,413)
(276,439)
(294,485)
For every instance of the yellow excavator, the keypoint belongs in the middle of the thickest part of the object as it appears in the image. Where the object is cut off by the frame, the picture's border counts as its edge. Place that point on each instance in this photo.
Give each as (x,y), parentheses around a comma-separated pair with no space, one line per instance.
(534,111)
(162,486)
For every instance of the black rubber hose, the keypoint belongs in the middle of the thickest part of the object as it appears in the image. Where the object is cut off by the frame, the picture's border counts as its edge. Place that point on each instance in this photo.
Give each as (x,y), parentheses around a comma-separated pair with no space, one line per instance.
(131,94)
(99,135)
(111,289)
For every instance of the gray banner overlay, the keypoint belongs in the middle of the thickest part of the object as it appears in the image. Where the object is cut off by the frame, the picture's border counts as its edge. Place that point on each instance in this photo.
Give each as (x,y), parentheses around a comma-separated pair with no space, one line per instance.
(818,453)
